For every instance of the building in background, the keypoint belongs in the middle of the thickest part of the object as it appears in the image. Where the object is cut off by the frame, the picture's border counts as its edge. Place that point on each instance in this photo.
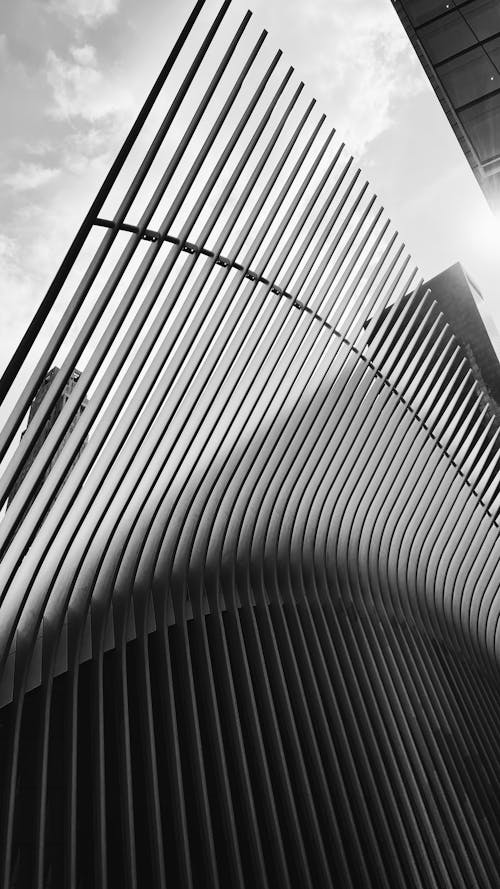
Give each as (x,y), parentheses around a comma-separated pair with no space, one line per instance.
(458,44)
(457,300)
(41,438)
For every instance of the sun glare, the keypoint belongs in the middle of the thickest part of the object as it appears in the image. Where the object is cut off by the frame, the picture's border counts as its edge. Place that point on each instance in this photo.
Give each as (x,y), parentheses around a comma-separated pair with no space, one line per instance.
(484,231)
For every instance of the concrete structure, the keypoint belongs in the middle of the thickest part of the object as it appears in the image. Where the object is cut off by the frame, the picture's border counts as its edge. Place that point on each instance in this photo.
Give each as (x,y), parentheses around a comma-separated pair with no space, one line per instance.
(458,44)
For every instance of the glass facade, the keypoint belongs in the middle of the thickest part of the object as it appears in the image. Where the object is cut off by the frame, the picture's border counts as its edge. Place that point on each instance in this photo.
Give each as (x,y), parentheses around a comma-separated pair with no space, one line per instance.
(483,17)
(458,42)
(469,76)
(443,39)
(483,125)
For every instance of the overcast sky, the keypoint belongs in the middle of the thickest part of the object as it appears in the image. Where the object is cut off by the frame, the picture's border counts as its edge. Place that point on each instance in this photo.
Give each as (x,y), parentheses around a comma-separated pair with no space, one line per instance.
(73,74)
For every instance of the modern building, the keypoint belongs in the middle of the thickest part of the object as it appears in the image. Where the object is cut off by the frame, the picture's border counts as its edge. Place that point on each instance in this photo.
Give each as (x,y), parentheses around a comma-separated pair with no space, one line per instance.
(252,638)
(460,301)
(453,300)
(458,44)
(56,410)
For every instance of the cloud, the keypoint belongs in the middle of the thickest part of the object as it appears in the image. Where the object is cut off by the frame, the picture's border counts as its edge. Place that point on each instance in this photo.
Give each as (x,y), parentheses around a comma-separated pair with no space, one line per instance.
(80,89)
(356,59)
(84,55)
(94,105)
(12,68)
(29,176)
(39,147)
(369,70)
(90,12)
(18,293)
(91,149)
